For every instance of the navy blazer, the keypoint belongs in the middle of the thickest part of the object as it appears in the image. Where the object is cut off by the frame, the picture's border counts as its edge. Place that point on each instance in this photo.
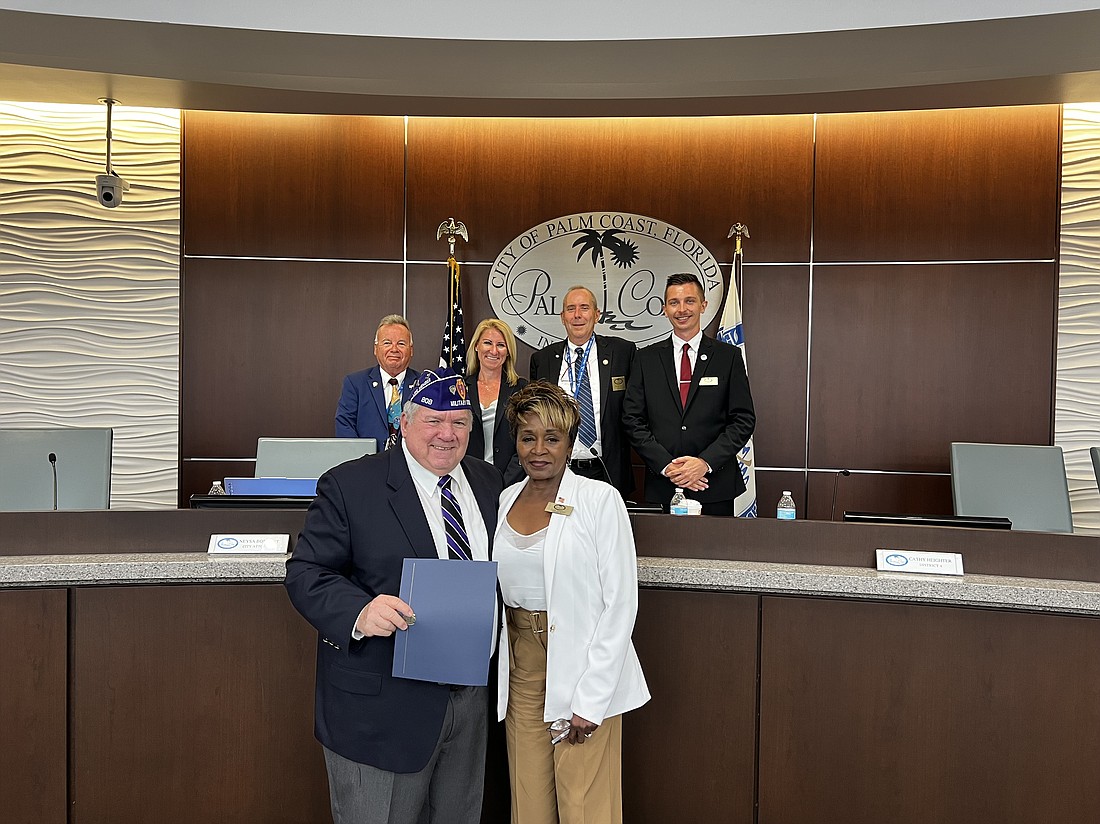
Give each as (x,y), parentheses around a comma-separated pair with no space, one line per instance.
(504,445)
(366,519)
(361,412)
(716,423)
(616,359)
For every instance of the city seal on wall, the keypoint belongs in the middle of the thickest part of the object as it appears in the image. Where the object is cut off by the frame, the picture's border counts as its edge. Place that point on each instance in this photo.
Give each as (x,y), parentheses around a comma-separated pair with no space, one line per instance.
(623,258)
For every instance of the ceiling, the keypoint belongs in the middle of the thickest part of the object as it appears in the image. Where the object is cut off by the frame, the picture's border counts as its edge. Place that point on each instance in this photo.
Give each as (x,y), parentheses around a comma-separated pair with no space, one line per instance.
(1021,60)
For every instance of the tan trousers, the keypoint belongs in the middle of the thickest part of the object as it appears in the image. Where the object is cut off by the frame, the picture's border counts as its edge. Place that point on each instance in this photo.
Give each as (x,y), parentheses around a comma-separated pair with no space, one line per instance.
(554,784)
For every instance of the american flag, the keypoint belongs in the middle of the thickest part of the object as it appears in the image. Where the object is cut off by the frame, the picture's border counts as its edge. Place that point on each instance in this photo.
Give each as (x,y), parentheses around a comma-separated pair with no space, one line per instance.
(453,351)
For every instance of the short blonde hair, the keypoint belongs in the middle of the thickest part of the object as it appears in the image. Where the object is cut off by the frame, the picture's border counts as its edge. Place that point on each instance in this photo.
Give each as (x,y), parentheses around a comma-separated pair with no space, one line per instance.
(473,364)
(550,403)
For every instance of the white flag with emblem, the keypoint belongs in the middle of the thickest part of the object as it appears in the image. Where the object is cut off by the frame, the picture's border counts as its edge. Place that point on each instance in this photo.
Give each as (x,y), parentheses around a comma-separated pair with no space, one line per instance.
(730,331)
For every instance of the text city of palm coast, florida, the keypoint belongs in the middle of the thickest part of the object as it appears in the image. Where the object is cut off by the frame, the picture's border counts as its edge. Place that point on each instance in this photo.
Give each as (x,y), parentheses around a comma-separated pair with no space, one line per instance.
(623,258)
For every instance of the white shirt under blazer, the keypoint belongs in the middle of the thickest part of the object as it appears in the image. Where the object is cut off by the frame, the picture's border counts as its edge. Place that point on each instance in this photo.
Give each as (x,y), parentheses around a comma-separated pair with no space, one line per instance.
(591,577)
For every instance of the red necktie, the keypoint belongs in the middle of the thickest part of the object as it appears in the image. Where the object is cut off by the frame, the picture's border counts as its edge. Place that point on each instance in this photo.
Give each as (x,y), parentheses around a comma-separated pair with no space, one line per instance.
(685,376)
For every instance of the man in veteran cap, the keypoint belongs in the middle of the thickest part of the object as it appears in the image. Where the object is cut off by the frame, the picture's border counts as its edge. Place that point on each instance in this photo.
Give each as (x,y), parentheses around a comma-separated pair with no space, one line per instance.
(397,751)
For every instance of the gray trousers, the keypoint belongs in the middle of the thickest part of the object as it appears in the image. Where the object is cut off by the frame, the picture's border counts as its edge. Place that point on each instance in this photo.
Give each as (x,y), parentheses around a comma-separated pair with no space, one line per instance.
(447,791)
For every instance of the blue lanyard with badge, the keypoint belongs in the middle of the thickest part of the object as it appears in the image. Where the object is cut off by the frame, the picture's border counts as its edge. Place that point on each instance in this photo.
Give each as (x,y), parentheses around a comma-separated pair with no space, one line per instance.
(576,380)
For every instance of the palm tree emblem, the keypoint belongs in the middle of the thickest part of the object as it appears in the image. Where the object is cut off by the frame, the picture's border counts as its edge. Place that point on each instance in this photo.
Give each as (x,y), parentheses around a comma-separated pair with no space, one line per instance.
(624,253)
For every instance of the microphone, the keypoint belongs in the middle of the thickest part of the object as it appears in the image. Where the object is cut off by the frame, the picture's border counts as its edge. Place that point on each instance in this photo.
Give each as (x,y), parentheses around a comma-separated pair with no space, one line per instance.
(53,466)
(603,466)
(836,477)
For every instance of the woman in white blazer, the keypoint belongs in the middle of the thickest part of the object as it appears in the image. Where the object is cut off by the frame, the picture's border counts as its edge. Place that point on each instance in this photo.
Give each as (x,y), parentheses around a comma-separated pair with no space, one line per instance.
(569,578)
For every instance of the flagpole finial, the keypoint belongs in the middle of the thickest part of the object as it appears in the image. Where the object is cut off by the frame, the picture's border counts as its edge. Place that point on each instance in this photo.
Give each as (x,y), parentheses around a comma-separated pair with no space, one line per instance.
(738,231)
(451,229)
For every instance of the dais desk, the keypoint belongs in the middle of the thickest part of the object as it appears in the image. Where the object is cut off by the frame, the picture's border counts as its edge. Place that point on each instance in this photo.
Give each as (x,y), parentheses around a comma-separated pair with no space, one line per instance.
(790,681)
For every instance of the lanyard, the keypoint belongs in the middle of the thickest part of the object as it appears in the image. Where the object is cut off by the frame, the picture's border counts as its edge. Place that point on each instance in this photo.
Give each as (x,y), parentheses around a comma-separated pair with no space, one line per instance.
(575,380)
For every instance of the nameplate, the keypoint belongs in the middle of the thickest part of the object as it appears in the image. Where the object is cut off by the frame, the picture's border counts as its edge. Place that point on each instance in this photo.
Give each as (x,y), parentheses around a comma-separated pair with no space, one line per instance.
(935,563)
(244,544)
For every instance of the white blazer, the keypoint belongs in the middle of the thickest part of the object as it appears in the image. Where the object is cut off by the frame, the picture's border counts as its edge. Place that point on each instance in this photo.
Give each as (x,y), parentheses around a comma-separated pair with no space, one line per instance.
(591,575)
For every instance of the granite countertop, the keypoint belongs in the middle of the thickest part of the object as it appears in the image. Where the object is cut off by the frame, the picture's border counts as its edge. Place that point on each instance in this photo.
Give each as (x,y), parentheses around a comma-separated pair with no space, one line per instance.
(1001,592)
(140,568)
(1076,597)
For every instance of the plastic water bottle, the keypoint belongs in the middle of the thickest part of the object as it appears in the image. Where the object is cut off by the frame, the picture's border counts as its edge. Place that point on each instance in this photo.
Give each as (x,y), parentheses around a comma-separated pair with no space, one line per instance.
(216,489)
(786,511)
(677,506)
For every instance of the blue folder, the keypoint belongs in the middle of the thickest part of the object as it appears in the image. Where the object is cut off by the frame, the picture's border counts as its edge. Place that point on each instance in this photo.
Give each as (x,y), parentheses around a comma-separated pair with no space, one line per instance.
(271,486)
(454,603)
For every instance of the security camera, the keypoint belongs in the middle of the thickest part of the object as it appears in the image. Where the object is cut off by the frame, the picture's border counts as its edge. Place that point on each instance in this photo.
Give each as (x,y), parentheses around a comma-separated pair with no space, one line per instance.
(109,189)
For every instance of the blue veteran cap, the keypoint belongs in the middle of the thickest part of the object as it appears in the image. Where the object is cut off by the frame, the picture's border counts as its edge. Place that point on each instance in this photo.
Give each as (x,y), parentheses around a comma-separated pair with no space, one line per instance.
(441,389)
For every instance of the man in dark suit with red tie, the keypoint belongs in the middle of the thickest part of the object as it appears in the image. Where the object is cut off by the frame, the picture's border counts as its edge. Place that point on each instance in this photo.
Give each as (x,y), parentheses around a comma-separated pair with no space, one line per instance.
(688,409)
(593,369)
(397,751)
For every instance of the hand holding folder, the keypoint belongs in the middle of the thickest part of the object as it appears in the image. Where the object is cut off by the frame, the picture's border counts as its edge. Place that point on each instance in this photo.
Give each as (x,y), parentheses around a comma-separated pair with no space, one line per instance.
(454,603)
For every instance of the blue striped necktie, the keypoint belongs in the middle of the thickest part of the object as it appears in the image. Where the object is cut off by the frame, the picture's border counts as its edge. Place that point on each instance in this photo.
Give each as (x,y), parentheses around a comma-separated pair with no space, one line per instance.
(458,543)
(587,431)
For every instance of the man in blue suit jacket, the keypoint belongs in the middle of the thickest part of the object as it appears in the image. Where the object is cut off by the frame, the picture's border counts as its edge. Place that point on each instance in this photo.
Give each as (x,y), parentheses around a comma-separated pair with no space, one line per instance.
(394,748)
(363,410)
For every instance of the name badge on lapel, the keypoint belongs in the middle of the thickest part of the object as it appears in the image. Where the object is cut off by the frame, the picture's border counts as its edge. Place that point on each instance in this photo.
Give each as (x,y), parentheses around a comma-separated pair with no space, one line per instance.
(559,507)
(618,383)
(709,381)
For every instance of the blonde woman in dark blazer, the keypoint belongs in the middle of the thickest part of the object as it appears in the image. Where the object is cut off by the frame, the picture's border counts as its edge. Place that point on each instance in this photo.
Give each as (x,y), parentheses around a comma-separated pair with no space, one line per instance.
(491,360)
(569,579)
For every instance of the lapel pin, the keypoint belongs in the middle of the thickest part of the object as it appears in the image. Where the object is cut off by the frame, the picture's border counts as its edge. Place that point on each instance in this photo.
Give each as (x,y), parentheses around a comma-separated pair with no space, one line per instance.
(702,357)
(374,384)
(604,361)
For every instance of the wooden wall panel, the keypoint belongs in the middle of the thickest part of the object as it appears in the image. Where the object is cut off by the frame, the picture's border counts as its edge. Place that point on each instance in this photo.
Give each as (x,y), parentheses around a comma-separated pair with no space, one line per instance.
(266,345)
(775,309)
(962,184)
(501,176)
(879,492)
(679,764)
(890,712)
(147,530)
(907,359)
(34,706)
(196,477)
(277,185)
(157,671)
(770,485)
(904,359)
(766,540)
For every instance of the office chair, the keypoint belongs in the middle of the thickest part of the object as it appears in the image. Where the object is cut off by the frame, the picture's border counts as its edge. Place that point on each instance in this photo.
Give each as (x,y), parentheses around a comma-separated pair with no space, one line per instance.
(307,457)
(77,477)
(1026,484)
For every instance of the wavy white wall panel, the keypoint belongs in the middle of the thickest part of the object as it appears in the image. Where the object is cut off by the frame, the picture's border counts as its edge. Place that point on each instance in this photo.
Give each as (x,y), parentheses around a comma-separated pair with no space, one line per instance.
(1077,403)
(89,296)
